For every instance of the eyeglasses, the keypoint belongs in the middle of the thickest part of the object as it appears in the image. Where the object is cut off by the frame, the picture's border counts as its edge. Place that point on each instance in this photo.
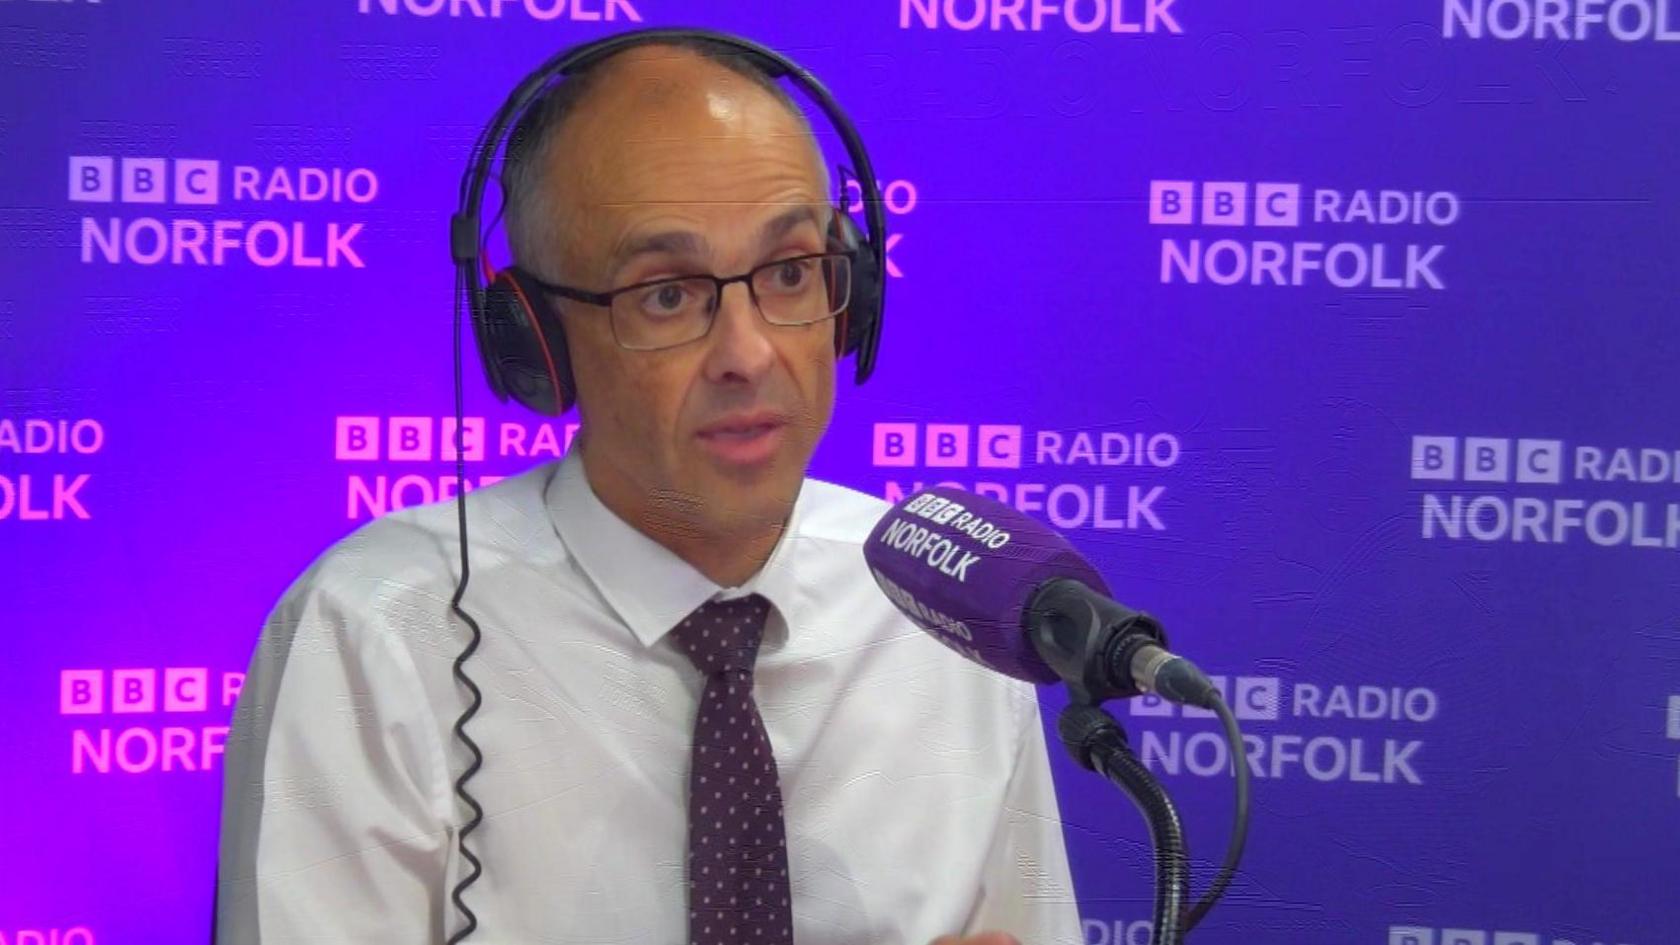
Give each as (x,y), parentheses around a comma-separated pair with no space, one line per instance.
(664,313)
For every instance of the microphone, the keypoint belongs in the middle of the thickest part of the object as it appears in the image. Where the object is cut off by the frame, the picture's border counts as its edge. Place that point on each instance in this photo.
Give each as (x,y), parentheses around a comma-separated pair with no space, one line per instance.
(1013,595)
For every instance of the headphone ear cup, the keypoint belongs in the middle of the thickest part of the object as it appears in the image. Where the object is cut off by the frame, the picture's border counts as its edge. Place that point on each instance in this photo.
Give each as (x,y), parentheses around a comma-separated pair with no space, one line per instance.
(523,345)
(856,323)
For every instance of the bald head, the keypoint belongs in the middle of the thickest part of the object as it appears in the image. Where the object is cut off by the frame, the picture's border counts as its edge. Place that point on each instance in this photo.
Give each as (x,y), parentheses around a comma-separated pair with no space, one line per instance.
(670,122)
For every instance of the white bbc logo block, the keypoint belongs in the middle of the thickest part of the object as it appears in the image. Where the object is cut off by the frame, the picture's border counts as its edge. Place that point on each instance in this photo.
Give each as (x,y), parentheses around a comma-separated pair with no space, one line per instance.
(1540,461)
(145,180)
(1258,697)
(93,179)
(96,179)
(1150,705)
(1434,457)
(1170,201)
(1254,698)
(1410,935)
(1674,717)
(1463,937)
(1277,204)
(1224,203)
(1487,459)
(197,181)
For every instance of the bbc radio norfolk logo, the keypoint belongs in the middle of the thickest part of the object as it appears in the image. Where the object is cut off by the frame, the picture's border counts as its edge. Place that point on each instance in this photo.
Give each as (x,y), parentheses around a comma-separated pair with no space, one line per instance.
(1273,233)
(1547,492)
(160,211)
(47,477)
(1040,472)
(141,720)
(1428,935)
(395,462)
(1303,731)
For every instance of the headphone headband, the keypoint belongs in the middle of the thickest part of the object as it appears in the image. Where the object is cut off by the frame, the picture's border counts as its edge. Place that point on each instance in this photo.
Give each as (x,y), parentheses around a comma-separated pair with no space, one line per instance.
(468,251)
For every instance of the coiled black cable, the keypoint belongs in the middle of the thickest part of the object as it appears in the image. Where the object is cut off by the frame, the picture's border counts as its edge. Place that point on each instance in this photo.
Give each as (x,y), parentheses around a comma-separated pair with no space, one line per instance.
(458,669)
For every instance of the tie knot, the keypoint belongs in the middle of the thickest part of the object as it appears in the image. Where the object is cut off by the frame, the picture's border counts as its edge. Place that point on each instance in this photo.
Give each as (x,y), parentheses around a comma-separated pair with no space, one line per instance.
(723,635)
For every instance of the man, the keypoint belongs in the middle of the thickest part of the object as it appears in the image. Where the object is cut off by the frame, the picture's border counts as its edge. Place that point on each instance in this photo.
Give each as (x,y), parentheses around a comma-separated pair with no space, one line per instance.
(913,788)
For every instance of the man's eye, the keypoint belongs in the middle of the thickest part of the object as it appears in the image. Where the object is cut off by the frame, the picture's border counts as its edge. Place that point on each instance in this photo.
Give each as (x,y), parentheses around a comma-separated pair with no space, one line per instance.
(669,299)
(793,273)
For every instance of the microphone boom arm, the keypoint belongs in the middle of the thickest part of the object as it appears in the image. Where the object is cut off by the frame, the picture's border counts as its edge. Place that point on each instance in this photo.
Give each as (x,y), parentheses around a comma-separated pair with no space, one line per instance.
(1098,744)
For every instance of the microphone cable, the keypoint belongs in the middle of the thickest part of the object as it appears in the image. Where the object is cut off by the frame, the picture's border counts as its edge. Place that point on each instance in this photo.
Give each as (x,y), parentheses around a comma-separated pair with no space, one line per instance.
(1239,824)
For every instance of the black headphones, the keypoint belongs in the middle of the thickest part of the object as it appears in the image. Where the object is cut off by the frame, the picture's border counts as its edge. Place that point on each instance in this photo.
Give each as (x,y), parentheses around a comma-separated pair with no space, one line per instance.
(520,339)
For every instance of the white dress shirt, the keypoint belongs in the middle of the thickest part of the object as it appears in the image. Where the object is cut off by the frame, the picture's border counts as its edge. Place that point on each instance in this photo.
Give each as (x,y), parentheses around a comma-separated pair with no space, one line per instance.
(917,792)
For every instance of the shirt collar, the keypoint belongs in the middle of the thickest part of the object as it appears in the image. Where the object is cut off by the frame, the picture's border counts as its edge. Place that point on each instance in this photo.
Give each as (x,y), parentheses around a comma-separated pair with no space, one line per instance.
(649,587)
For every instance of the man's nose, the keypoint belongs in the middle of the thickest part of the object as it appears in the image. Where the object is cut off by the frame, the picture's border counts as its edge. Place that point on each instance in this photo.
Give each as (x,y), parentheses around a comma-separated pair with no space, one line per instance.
(740,335)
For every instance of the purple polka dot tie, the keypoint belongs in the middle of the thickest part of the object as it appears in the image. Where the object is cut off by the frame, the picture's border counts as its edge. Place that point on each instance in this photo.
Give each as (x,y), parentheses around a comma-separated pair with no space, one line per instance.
(737,850)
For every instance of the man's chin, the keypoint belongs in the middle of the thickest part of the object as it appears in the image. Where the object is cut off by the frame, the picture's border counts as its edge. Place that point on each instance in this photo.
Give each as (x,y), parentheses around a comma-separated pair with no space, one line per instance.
(751,506)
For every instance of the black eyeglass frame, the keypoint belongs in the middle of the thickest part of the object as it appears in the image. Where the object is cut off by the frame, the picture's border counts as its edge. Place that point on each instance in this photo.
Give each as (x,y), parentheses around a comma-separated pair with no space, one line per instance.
(604,299)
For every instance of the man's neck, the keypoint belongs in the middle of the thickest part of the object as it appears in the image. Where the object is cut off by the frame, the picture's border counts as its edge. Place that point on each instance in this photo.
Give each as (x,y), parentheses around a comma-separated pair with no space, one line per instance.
(727,557)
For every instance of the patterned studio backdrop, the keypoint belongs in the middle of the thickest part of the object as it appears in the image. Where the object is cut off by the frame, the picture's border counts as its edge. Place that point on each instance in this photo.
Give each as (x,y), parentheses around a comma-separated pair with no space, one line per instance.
(1340,335)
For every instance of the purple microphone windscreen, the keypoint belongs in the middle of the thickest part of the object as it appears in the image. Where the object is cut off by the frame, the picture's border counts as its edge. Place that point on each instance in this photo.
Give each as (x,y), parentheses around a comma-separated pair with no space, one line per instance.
(963,567)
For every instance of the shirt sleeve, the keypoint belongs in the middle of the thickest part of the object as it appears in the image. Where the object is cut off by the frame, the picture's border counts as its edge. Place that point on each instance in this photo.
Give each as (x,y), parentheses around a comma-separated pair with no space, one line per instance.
(1026,888)
(335,819)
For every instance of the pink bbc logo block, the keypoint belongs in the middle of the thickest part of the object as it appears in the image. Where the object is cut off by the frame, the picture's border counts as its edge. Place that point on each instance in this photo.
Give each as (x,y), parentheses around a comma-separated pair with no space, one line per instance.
(186,689)
(947,444)
(472,439)
(133,690)
(183,688)
(1170,201)
(895,444)
(411,438)
(356,438)
(998,446)
(81,692)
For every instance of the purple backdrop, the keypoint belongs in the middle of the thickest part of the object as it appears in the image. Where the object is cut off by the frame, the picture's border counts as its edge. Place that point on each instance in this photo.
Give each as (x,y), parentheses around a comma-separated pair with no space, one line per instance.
(1340,336)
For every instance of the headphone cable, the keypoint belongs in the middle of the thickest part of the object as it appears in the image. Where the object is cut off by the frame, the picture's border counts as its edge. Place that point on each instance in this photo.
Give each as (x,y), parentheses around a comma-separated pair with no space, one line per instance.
(472,645)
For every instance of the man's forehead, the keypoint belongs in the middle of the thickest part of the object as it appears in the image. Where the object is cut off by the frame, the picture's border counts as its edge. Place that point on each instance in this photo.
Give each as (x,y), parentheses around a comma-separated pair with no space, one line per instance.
(696,159)
(644,96)
(714,154)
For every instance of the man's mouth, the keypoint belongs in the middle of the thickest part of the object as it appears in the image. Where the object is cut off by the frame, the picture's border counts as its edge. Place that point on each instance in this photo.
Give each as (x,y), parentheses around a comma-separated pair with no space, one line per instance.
(740,433)
(749,440)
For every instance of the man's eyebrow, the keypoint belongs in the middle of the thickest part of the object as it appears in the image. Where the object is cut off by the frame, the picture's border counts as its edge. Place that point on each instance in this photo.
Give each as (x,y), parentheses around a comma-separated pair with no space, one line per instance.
(688,243)
(782,223)
(671,242)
